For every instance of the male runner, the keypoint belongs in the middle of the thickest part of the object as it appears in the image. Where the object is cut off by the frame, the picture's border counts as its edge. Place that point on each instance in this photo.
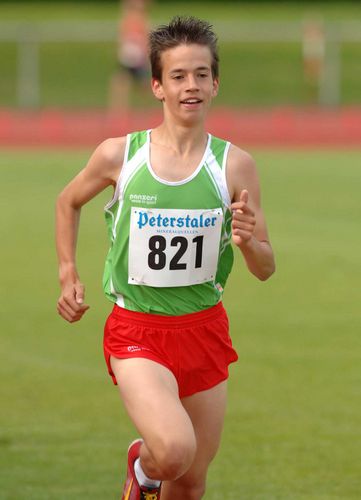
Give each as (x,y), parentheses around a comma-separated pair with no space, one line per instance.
(180,197)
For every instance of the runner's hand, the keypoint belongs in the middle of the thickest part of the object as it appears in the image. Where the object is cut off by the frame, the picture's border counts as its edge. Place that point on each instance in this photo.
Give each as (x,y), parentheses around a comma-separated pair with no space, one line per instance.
(243,220)
(71,302)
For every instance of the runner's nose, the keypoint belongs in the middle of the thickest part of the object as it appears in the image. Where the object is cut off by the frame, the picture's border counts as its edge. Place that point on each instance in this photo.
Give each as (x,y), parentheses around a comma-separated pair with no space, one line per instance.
(192,84)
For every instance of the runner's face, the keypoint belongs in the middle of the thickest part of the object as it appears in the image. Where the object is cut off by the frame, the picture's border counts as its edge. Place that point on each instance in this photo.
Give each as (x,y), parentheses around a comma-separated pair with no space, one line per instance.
(187,86)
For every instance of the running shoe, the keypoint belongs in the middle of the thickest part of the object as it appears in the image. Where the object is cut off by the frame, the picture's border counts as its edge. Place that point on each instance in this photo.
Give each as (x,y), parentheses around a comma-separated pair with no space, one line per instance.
(132,489)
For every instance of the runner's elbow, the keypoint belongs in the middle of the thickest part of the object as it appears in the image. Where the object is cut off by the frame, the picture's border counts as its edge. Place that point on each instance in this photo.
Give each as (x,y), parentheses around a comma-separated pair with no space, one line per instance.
(64,200)
(266,272)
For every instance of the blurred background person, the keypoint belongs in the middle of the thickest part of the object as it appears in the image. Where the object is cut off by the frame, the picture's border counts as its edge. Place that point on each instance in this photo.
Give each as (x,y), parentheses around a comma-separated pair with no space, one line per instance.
(313,48)
(133,69)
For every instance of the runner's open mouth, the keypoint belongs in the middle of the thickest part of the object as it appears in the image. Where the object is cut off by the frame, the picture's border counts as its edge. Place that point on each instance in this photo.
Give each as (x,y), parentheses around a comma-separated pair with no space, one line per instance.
(191,101)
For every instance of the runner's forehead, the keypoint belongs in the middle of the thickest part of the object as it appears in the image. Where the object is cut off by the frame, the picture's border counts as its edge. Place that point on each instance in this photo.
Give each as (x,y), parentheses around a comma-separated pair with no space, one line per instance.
(187,58)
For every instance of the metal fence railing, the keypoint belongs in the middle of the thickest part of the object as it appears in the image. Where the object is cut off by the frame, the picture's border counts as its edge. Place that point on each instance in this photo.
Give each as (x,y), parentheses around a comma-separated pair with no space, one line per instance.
(29,36)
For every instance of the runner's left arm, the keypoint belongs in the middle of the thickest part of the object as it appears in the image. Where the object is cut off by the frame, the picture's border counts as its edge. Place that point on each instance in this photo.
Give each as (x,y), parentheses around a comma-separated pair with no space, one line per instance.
(249,230)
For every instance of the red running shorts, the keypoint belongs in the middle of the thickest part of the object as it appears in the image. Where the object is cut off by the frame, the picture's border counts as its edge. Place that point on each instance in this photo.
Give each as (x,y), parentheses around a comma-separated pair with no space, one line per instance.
(195,347)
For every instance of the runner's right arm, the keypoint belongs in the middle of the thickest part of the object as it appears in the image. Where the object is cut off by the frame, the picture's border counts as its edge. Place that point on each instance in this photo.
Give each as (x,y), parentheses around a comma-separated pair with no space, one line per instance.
(101,171)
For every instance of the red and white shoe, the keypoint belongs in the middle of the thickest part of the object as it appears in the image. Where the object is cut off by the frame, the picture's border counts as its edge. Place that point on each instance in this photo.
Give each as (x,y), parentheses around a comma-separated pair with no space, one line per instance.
(132,489)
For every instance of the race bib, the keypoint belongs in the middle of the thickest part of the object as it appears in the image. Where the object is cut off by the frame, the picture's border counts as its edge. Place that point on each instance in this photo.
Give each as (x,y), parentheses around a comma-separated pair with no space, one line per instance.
(173,247)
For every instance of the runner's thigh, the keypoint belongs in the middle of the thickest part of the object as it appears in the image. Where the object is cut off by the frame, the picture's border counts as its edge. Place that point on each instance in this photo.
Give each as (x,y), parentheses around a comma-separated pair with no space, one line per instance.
(150,394)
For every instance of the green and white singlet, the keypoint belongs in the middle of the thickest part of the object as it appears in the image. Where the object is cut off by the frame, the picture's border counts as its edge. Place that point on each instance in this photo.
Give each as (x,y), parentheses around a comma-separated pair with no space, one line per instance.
(170,247)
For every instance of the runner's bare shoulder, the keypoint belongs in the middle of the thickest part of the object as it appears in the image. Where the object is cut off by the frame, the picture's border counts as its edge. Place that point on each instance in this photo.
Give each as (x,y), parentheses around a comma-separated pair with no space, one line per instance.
(108,158)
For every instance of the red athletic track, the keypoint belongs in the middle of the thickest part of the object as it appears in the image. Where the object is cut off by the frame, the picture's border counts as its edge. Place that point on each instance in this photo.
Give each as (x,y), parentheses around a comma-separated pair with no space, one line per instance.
(286,127)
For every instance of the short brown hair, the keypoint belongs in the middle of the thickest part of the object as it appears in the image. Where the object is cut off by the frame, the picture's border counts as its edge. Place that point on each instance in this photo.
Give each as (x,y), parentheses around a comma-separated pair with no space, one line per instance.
(181,30)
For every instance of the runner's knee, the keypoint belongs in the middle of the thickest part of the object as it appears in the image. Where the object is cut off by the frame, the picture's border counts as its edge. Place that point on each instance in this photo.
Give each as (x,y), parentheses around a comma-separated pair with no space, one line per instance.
(174,456)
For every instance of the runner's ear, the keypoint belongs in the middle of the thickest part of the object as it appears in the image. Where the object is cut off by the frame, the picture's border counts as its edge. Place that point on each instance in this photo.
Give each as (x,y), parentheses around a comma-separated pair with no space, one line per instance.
(157,89)
(215,87)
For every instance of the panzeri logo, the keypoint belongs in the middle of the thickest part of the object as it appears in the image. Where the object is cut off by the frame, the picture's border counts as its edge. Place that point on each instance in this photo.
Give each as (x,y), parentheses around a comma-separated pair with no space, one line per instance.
(148,199)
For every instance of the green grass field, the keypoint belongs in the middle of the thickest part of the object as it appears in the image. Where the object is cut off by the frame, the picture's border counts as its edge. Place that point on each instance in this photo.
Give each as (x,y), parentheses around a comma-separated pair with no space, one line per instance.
(293,424)
(254,74)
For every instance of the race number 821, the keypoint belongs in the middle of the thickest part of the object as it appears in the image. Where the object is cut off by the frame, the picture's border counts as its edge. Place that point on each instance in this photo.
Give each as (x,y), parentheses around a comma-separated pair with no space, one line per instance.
(157,256)
(173,247)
